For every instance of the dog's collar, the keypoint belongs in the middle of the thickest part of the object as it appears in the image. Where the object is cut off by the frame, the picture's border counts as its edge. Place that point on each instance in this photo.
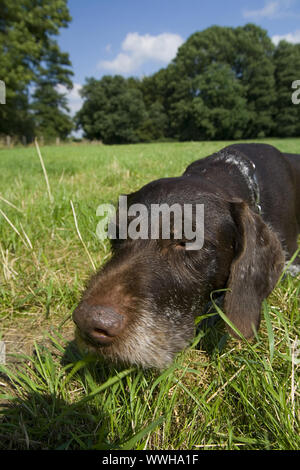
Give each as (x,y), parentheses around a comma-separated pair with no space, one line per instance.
(247,170)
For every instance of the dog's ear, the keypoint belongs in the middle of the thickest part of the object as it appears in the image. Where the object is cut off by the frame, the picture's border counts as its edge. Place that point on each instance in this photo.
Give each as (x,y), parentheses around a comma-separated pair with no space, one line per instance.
(254,271)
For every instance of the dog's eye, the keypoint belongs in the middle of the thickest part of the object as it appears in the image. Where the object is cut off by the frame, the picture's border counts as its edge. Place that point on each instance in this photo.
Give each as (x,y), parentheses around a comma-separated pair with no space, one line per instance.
(181,245)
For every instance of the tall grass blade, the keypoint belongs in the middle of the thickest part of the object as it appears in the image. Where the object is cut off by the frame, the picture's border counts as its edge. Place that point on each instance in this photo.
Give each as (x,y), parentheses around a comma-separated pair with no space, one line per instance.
(80,237)
(128,445)
(269,330)
(44,170)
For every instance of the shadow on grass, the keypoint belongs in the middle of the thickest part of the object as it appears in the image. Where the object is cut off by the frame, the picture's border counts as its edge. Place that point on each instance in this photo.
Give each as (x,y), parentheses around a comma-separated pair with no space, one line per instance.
(39,419)
(67,402)
(45,421)
(211,329)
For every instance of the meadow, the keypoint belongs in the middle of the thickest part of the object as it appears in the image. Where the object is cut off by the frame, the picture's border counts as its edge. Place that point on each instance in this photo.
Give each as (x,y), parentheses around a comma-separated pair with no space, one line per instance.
(218,394)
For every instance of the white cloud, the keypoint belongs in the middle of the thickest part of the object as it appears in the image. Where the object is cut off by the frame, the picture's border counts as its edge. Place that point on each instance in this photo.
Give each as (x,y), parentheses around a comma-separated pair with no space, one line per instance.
(123,63)
(294,38)
(162,47)
(273,9)
(138,49)
(74,99)
(268,11)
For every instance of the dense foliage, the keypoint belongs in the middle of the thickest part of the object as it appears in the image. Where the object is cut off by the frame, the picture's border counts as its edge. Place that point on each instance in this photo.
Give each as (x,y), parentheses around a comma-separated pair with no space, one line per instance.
(32,65)
(225,83)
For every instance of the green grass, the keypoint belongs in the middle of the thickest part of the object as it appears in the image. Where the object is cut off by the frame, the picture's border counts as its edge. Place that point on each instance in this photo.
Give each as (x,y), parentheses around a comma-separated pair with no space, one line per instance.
(218,394)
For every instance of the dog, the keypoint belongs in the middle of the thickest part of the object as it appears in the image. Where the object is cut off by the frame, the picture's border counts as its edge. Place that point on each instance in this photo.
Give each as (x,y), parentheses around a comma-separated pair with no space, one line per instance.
(140,308)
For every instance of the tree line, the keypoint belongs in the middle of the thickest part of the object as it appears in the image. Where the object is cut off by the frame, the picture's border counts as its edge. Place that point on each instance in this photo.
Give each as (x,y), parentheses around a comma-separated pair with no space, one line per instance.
(224,83)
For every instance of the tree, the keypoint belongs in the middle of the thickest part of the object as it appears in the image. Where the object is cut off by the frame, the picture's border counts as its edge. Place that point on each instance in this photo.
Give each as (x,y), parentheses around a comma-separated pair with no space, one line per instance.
(287,70)
(218,109)
(255,68)
(248,52)
(26,31)
(113,110)
(49,103)
(154,126)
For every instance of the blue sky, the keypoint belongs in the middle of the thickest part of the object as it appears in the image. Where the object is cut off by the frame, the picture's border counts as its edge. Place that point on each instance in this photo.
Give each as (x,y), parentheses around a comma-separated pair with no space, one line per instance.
(138,37)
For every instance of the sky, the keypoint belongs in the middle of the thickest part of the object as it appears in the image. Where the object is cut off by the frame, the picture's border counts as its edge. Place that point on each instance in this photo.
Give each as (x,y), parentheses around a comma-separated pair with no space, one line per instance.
(139,37)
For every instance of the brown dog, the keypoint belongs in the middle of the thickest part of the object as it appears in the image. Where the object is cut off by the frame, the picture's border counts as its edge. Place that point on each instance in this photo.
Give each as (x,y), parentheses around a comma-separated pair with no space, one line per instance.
(140,307)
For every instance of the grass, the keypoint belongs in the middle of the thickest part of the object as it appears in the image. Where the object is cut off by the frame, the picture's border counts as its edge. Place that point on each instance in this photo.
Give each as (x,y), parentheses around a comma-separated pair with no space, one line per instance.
(218,394)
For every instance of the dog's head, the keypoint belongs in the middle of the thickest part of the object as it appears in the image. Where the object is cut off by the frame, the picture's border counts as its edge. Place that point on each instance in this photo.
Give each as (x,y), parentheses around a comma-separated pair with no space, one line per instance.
(140,307)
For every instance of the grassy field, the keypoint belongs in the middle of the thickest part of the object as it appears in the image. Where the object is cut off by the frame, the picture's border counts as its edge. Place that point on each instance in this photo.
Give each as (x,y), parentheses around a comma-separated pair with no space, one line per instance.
(218,394)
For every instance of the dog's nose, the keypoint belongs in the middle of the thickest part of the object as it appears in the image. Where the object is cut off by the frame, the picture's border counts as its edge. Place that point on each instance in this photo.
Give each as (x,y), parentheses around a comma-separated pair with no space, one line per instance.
(99,324)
